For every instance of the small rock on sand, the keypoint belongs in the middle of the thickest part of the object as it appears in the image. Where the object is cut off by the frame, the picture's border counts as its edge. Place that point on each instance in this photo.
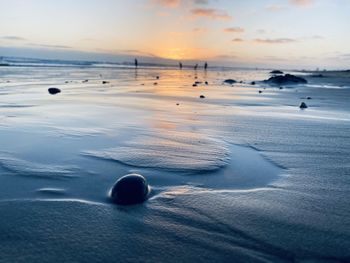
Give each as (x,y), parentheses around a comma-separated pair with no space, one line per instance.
(260,91)
(130,189)
(206,83)
(252,83)
(230,81)
(202,96)
(54,91)
(105,82)
(194,85)
(303,105)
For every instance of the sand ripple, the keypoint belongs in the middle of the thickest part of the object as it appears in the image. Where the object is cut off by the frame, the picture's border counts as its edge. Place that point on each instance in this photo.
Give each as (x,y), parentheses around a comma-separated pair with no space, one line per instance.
(177,151)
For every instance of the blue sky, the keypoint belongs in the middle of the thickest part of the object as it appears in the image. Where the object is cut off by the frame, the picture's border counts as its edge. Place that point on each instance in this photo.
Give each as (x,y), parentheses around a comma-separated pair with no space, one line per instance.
(287,33)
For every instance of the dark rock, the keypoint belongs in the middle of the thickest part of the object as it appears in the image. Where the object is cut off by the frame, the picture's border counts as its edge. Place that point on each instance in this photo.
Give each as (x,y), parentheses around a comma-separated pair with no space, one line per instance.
(206,83)
(198,82)
(155,83)
(157,77)
(303,105)
(281,87)
(4,65)
(308,98)
(54,91)
(105,82)
(230,81)
(85,81)
(130,189)
(252,83)
(202,96)
(177,104)
(286,79)
(276,72)
(194,85)
(260,91)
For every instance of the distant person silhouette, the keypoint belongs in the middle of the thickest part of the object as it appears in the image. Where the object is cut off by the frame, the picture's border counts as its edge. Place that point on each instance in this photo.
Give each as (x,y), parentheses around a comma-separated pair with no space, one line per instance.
(195,67)
(136,63)
(180,65)
(205,66)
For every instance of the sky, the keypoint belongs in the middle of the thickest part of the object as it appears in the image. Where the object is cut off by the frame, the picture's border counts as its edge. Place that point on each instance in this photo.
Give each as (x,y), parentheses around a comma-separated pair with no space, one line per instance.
(253,33)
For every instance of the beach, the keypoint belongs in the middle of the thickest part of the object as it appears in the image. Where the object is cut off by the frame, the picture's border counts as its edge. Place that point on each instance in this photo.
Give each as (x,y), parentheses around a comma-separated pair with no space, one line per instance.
(236,175)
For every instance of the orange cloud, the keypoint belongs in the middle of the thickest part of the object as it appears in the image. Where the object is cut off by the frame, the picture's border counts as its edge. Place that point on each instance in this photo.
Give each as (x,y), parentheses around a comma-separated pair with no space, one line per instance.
(210,13)
(301,2)
(234,30)
(167,3)
(199,30)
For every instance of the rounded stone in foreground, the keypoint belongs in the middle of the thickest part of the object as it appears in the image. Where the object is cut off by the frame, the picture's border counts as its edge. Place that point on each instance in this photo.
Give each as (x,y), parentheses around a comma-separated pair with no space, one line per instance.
(130,189)
(54,91)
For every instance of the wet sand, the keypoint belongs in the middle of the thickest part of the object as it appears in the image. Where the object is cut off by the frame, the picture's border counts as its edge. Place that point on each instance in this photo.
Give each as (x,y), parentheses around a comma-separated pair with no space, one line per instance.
(236,176)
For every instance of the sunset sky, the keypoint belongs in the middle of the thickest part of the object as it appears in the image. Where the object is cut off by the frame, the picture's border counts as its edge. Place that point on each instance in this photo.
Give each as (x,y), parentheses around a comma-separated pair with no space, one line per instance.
(289,33)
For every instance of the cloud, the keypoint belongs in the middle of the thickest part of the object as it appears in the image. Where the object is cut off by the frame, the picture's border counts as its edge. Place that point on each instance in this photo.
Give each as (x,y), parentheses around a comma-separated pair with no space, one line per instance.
(167,3)
(237,40)
(88,39)
(49,46)
(234,30)
(201,2)
(345,56)
(15,38)
(135,52)
(301,2)
(275,8)
(261,31)
(200,30)
(225,57)
(273,58)
(298,3)
(163,14)
(275,40)
(210,13)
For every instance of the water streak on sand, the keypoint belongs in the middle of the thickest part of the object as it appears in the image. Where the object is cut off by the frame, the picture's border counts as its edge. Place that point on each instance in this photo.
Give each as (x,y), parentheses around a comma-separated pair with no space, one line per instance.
(26,168)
